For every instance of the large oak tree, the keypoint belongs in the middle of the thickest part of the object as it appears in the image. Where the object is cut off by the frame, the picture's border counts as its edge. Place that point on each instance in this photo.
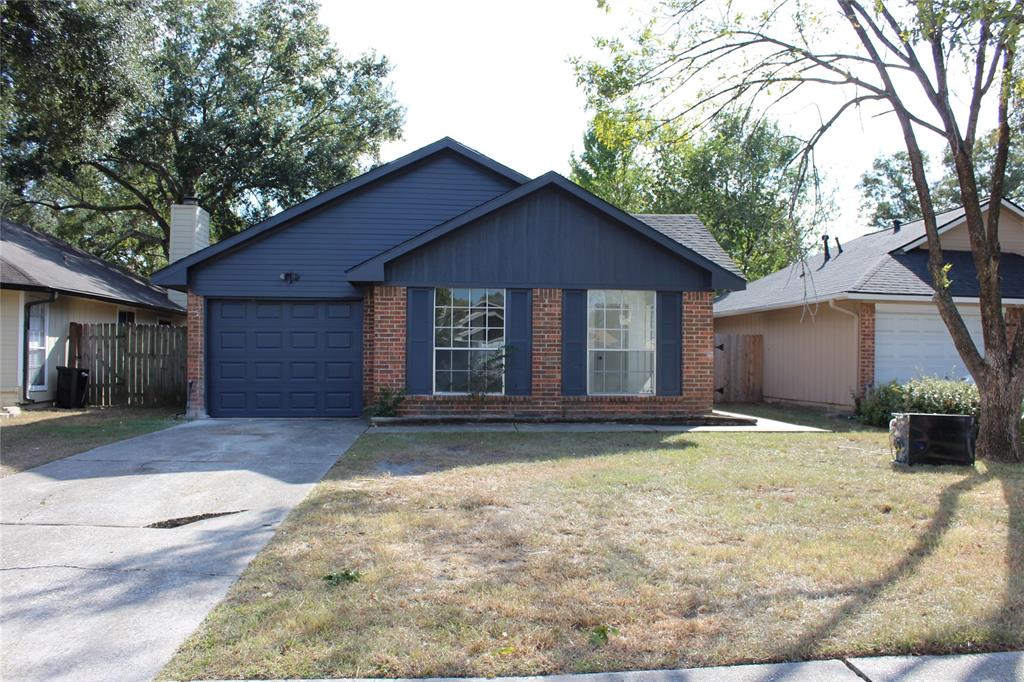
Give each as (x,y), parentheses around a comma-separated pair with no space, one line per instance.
(247,106)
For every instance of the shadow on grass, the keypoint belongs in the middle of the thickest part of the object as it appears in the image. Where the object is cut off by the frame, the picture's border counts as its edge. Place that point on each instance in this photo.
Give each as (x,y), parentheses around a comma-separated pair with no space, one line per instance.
(415,454)
(869,592)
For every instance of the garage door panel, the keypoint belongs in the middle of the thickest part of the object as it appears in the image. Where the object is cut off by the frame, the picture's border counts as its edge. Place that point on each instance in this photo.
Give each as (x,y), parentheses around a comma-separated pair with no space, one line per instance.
(913,341)
(285,359)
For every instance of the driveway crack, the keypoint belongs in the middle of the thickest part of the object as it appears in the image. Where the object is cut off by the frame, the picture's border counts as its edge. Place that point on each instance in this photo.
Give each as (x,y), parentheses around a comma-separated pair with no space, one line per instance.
(118,570)
(856,671)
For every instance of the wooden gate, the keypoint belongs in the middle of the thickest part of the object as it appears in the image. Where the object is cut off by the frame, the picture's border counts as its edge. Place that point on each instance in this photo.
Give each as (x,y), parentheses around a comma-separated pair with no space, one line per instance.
(132,365)
(739,368)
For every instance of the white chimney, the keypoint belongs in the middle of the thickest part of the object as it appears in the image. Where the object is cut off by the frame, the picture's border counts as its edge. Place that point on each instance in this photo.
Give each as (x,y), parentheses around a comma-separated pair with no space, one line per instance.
(190,231)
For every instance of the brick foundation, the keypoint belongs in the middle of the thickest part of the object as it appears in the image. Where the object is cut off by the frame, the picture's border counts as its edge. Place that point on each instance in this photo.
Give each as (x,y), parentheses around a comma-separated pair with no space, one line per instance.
(195,367)
(865,347)
(384,315)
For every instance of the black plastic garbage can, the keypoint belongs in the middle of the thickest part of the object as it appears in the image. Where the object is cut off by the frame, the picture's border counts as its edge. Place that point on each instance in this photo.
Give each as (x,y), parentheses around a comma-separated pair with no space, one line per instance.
(71,385)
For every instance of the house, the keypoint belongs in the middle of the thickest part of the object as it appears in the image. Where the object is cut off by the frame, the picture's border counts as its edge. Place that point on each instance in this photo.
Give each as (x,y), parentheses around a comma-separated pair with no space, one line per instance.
(45,284)
(462,284)
(861,314)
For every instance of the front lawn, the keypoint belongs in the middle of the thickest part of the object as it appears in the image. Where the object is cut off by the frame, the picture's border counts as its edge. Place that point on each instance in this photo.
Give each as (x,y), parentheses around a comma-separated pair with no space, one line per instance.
(38,436)
(526,553)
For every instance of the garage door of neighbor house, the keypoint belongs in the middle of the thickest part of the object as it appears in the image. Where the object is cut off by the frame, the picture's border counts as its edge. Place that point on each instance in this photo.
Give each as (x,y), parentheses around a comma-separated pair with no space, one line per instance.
(284,358)
(912,341)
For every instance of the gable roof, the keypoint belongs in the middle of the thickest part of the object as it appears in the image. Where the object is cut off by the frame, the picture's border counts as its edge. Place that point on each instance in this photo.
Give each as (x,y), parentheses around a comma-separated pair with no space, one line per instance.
(37,261)
(883,263)
(176,273)
(372,269)
(688,230)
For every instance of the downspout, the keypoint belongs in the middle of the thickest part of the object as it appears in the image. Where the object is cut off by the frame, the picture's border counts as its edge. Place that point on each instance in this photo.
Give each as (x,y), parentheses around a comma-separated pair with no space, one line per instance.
(856,337)
(24,349)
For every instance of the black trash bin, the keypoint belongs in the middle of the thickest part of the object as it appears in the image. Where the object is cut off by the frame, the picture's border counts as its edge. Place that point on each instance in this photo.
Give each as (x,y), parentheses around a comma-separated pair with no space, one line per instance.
(71,385)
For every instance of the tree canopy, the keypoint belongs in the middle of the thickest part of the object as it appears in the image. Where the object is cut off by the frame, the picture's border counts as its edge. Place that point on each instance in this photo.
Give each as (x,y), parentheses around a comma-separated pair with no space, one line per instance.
(734,175)
(888,192)
(942,70)
(247,106)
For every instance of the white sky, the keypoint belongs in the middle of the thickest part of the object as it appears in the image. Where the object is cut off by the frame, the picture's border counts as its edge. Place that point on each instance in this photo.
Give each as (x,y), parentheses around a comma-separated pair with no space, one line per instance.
(496,76)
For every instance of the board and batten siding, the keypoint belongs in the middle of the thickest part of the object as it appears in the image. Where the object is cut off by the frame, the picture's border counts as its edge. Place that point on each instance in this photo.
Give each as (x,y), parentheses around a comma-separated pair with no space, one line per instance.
(68,309)
(807,358)
(320,246)
(548,239)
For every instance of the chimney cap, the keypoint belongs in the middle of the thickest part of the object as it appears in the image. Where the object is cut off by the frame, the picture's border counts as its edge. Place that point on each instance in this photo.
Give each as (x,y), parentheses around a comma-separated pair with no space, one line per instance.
(190,200)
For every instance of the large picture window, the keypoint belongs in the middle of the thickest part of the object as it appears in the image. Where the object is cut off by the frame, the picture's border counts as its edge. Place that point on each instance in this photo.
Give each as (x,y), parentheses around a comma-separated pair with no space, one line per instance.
(469,340)
(620,342)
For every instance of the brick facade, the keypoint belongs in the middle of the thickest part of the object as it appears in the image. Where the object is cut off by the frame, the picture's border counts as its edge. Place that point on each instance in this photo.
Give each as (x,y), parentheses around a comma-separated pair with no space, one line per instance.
(384,320)
(865,347)
(195,364)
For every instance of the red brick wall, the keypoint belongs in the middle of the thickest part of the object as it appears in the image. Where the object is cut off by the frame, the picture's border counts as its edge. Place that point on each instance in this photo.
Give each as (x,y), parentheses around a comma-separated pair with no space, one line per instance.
(384,312)
(195,364)
(384,336)
(865,347)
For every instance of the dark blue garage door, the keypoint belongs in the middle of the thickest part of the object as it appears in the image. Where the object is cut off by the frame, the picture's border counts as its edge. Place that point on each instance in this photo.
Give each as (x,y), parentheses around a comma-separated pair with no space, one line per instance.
(284,358)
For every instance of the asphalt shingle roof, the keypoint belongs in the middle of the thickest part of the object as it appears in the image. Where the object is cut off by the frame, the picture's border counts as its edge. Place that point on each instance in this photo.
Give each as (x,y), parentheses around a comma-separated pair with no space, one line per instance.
(689,231)
(871,264)
(34,259)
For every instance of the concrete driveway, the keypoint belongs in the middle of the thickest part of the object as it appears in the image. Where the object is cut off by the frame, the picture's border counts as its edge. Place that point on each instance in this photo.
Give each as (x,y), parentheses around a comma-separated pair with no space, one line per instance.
(90,593)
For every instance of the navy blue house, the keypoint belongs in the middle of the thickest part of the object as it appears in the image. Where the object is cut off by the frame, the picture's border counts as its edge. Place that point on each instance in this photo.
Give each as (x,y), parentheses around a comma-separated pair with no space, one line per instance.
(462,284)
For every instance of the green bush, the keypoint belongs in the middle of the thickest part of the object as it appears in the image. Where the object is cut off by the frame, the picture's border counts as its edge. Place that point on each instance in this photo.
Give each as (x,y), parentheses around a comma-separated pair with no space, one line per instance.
(386,404)
(928,395)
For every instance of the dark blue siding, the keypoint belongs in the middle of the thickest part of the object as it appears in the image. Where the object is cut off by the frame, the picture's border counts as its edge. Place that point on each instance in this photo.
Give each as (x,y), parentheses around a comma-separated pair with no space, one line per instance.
(321,245)
(518,341)
(419,342)
(547,239)
(670,342)
(284,358)
(574,342)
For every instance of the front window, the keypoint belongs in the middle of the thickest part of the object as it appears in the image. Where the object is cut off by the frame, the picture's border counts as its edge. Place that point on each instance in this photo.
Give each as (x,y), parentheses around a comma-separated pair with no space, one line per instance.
(620,342)
(125,317)
(37,347)
(469,340)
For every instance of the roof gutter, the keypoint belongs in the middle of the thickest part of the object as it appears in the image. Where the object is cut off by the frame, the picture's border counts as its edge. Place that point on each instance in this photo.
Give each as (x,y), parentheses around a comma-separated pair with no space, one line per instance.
(24,349)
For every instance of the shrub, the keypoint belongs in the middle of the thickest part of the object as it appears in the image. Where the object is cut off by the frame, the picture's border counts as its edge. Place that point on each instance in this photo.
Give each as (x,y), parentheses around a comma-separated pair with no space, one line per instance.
(929,395)
(386,404)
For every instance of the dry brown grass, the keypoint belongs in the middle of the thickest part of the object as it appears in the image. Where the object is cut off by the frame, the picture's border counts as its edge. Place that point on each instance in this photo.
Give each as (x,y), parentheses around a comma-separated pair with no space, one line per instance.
(501,554)
(38,436)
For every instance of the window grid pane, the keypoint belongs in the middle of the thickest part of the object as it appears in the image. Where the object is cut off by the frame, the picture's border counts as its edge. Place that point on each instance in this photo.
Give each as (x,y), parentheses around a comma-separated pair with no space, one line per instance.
(469,336)
(621,342)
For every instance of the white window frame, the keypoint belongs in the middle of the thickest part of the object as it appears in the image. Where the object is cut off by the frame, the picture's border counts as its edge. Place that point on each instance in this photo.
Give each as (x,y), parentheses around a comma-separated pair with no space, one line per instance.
(45,309)
(653,351)
(434,347)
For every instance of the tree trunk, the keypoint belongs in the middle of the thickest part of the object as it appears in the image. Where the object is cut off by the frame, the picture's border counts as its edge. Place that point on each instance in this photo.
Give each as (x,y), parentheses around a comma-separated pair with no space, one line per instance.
(1000,424)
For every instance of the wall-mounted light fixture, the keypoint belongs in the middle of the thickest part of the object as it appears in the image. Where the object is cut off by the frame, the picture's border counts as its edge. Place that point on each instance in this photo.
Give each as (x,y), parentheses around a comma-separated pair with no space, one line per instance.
(289,277)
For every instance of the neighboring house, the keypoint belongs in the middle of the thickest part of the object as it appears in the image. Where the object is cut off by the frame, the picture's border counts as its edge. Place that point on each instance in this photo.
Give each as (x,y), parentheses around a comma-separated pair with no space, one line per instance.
(463,284)
(45,284)
(863,315)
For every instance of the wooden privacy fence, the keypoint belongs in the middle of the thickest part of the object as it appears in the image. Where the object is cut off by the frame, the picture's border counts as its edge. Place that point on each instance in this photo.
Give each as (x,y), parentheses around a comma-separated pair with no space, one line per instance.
(131,365)
(739,368)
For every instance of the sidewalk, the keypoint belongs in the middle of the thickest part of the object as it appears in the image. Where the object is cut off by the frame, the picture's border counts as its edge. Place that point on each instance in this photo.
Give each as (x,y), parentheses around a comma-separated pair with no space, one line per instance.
(997,667)
(762,426)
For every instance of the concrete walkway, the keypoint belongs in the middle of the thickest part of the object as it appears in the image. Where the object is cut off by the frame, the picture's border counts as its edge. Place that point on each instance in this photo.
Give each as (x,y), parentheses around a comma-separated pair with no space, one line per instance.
(88,592)
(762,426)
(998,667)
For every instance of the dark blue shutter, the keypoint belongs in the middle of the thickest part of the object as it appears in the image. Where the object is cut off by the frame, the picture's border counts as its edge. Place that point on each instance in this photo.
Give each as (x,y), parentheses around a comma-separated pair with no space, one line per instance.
(518,336)
(670,342)
(419,341)
(574,342)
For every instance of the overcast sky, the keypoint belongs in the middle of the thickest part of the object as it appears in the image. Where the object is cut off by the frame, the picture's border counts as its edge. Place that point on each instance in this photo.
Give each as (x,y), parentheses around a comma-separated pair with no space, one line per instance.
(496,76)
